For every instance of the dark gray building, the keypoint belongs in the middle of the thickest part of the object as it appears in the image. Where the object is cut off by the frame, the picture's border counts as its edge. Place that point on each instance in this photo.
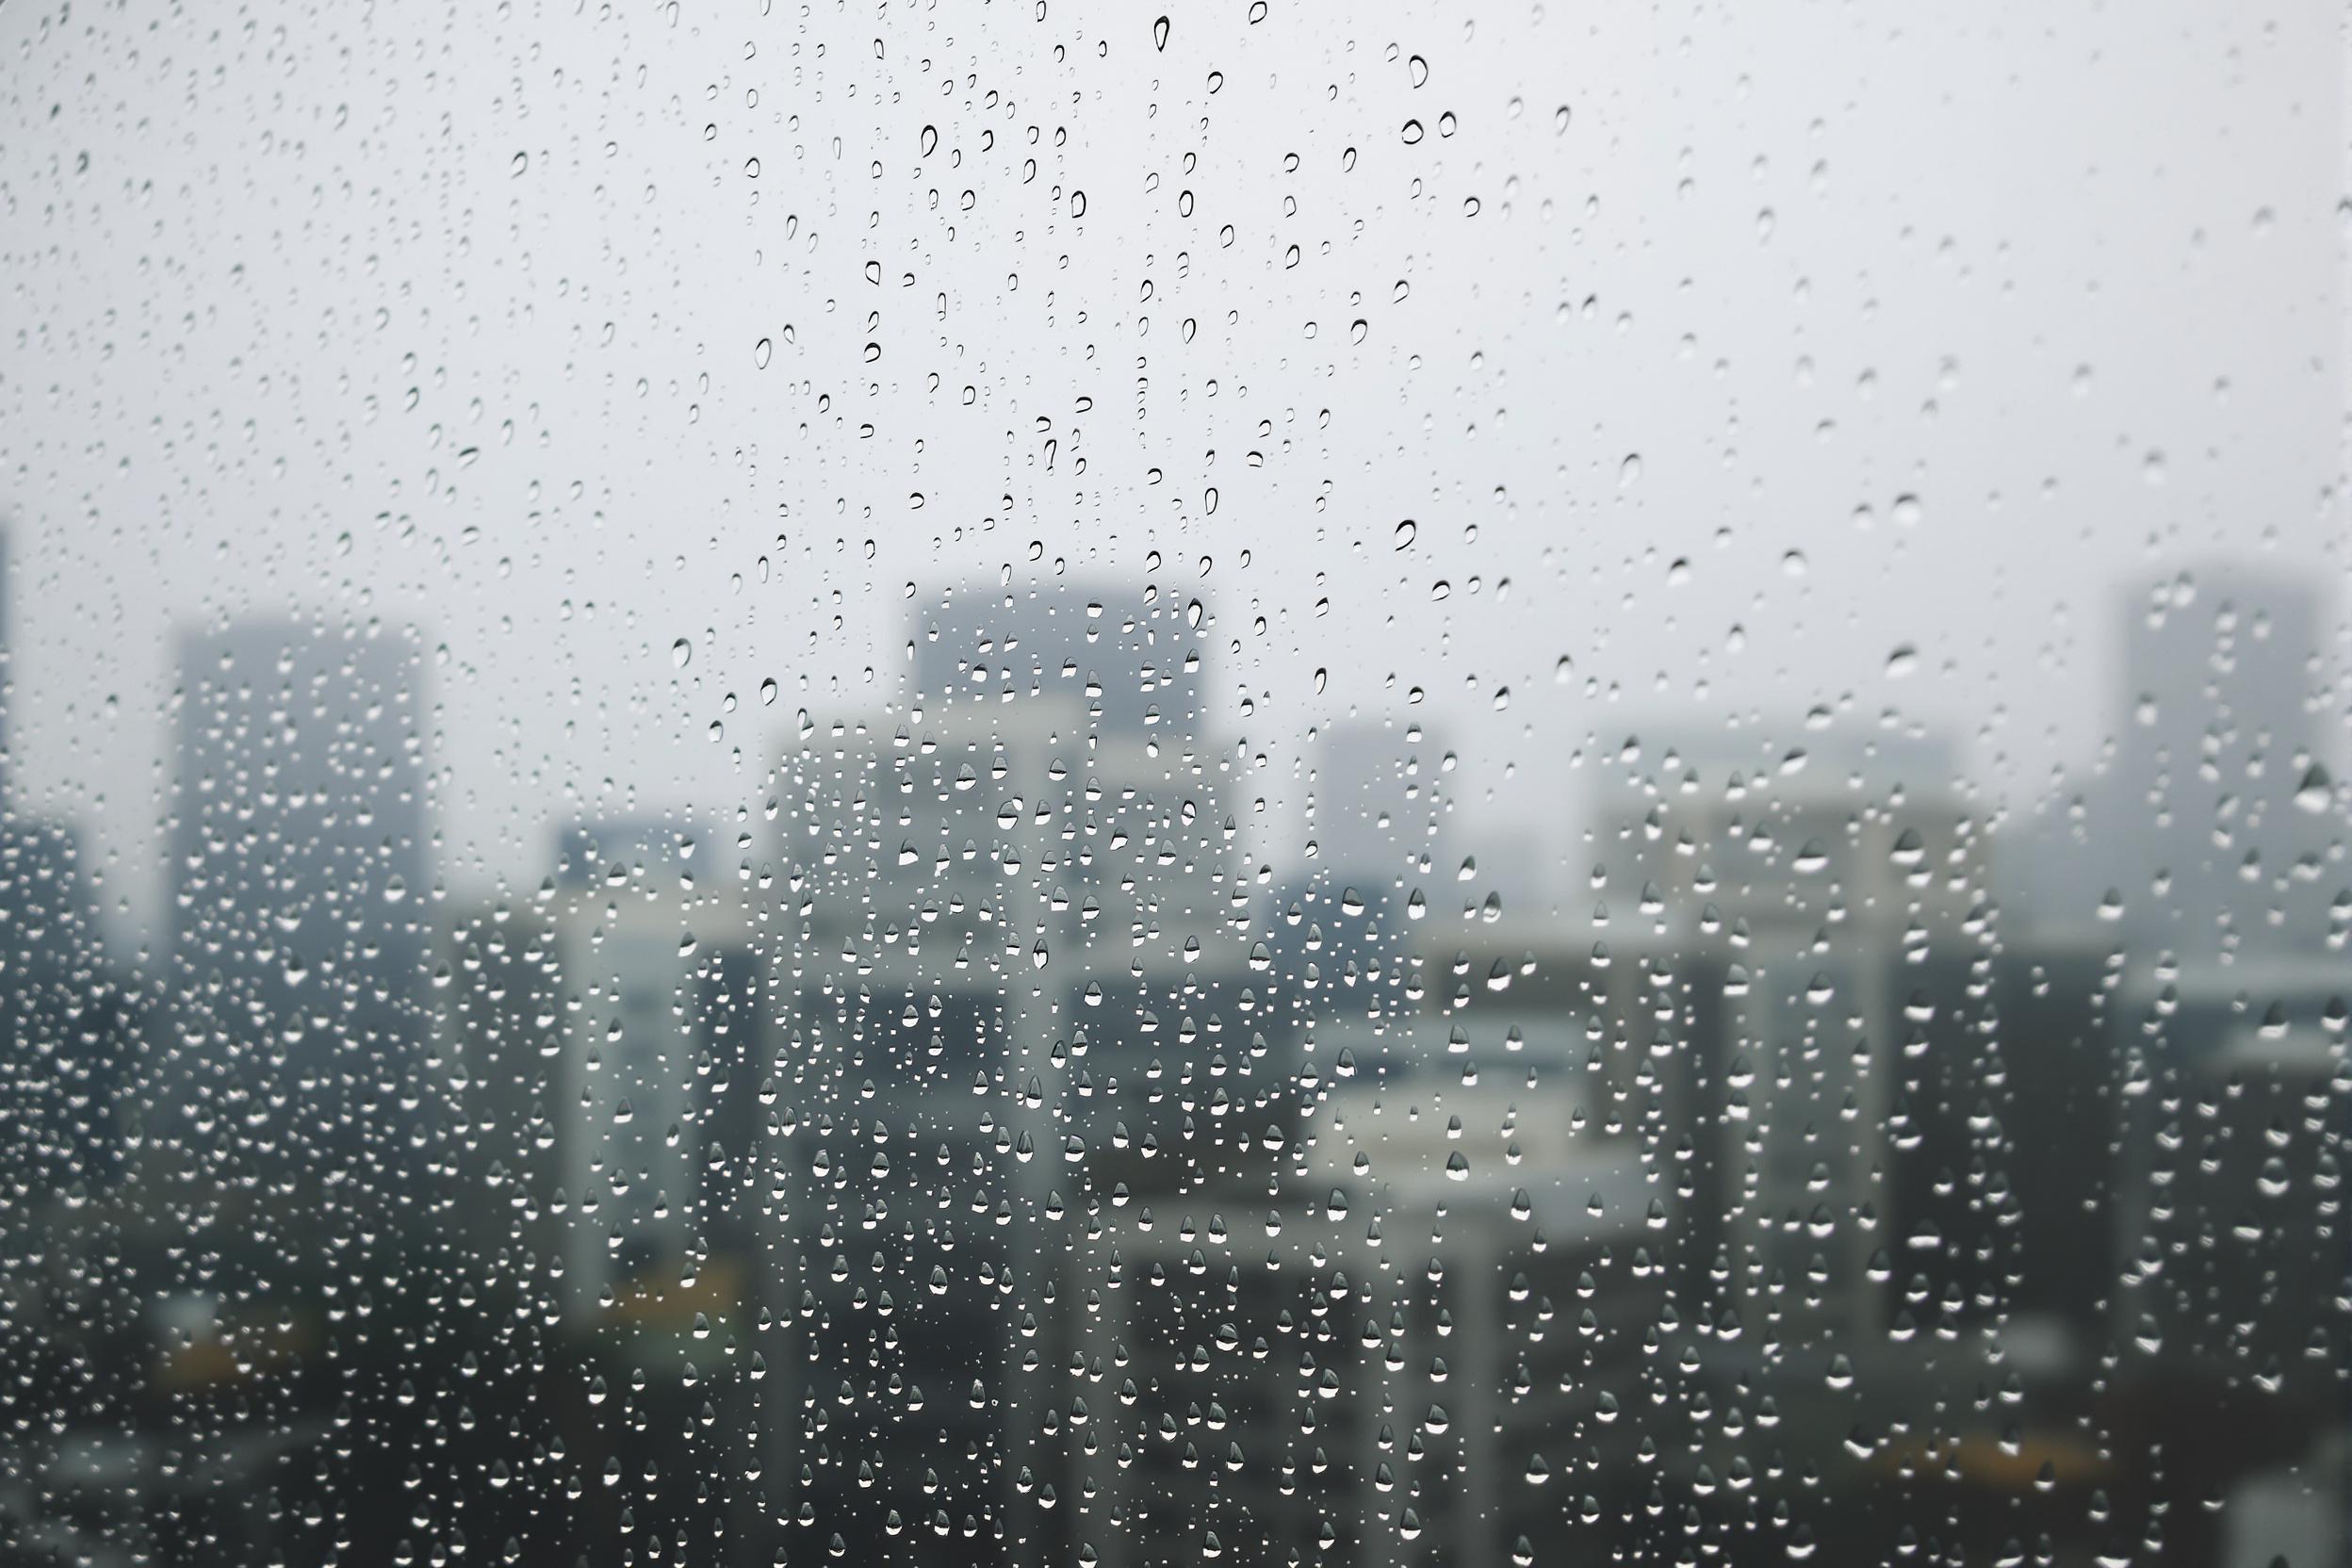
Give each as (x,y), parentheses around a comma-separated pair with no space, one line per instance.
(67,1020)
(299,870)
(1133,654)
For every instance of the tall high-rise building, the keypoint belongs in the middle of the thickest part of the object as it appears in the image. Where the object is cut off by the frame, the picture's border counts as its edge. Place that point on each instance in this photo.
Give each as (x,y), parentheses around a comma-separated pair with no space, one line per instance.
(300,869)
(2219,673)
(7,666)
(1802,898)
(1379,803)
(2218,813)
(1377,822)
(66,1019)
(1135,666)
(1019,986)
(656,1008)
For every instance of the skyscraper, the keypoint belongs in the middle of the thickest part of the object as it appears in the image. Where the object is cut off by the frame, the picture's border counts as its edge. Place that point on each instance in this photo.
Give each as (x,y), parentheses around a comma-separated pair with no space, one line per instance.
(299,872)
(1013,923)
(1379,803)
(1137,668)
(66,1019)
(8,669)
(2219,811)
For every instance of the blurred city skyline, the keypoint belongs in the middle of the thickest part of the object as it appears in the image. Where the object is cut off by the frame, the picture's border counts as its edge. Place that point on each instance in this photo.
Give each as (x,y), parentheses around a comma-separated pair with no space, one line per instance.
(1380,786)
(763,724)
(1909,388)
(1792,1032)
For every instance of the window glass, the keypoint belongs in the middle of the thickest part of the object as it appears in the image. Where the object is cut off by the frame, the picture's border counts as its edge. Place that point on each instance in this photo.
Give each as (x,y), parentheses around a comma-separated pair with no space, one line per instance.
(1033,784)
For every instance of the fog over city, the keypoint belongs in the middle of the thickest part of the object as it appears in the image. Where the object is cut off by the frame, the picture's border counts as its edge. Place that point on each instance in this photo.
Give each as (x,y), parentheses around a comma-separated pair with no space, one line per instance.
(1023,783)
(1722,356)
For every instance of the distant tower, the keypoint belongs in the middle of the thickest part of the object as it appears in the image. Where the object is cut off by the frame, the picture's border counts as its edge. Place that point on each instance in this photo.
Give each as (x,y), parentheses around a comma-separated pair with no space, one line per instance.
(299,874)
(2217,808)
(8,676)
(65,1018)
(1136,669)
(1379,806)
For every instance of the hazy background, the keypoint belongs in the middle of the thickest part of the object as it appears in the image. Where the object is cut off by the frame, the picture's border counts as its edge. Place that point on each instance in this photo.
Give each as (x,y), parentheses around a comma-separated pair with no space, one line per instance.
(1818,332)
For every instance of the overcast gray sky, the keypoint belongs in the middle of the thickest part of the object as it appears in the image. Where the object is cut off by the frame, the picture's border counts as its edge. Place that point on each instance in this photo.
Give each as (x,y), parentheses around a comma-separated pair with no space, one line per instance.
(1745,345)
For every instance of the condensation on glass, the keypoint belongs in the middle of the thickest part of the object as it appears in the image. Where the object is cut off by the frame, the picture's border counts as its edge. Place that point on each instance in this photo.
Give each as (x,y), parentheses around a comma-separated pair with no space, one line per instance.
(1029,784)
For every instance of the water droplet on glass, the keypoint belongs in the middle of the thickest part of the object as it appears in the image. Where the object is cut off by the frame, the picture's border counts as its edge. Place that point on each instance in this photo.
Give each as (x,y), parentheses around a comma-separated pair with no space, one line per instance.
(2316,790)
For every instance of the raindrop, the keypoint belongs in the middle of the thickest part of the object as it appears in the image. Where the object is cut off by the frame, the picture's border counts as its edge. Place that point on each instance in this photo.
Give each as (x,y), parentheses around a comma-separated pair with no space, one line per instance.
(2316,790)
